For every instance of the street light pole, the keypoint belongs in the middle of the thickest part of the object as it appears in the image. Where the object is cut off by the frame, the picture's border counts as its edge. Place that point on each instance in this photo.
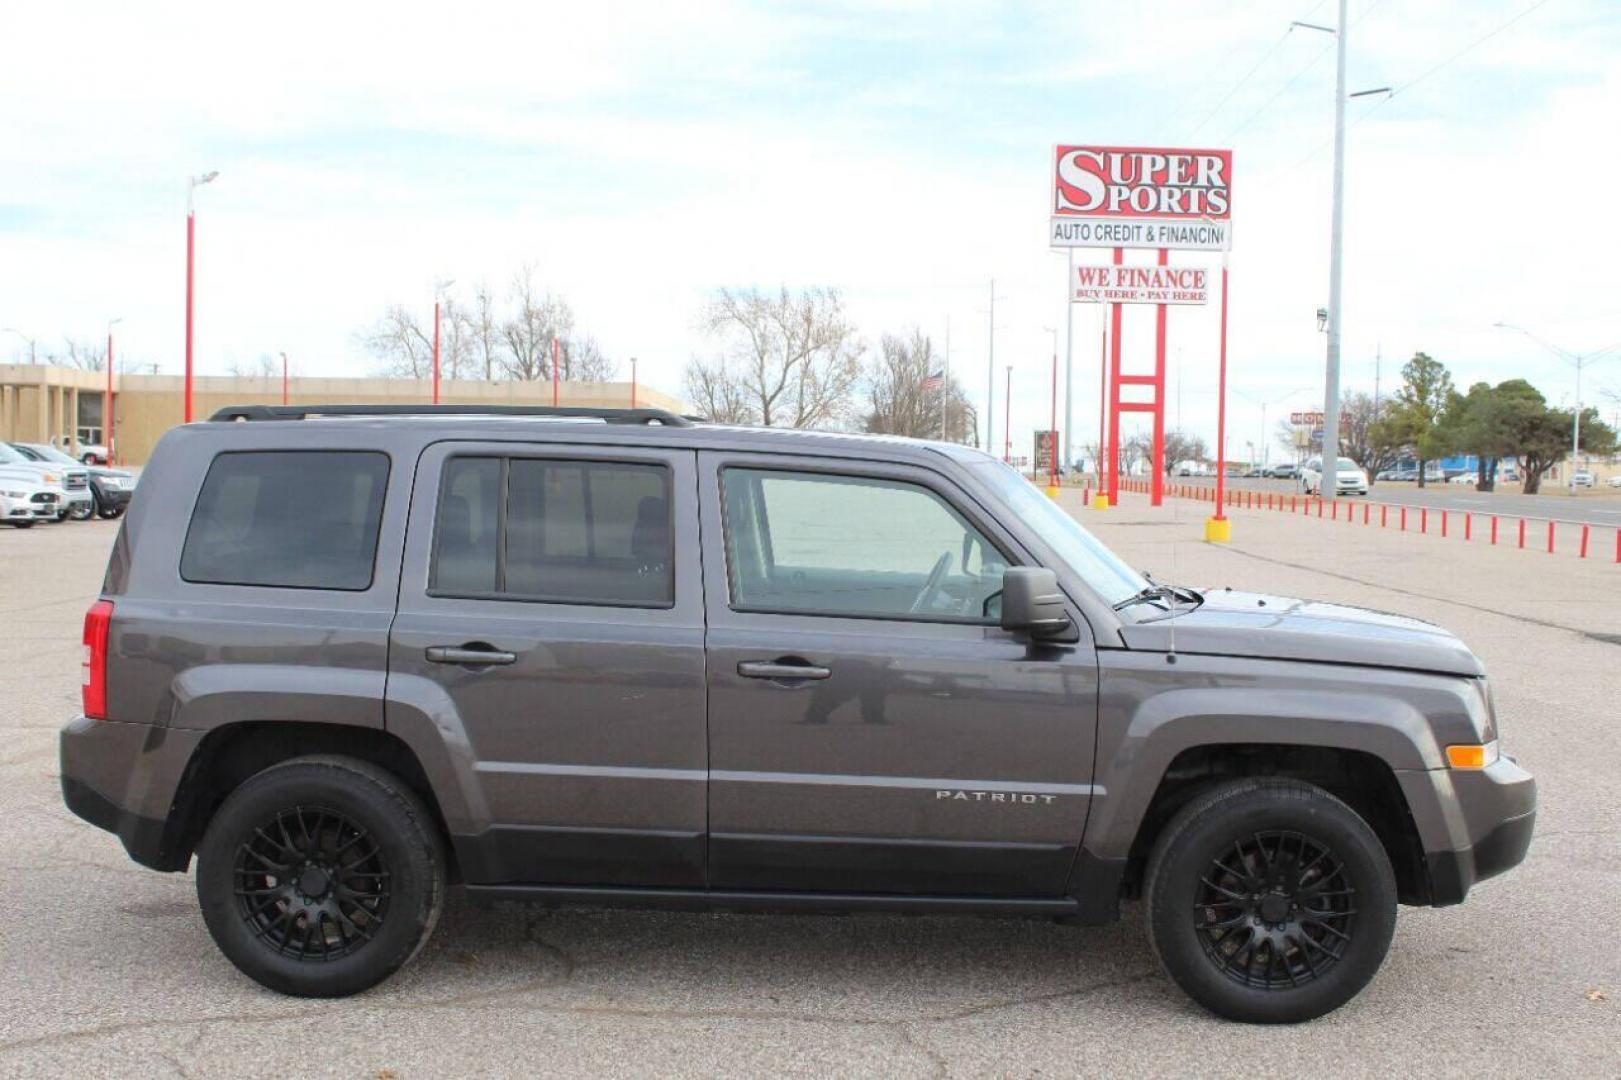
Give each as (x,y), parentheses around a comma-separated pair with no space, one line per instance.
(1007,419)
(990,378)
(1578,361)
(633,382)
(1331,389)
(191,262)
(284,378)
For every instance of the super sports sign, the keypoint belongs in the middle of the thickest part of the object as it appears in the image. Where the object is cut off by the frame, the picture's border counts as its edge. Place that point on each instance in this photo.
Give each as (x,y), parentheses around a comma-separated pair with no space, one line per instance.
(1135,197)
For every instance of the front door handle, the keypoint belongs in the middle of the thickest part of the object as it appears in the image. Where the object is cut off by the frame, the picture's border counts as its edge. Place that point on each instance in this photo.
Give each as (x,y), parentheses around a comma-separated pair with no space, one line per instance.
(782,670)
(470,655)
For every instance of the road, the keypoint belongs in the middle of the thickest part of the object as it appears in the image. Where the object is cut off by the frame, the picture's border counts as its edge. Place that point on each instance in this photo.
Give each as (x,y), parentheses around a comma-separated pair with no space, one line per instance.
(1595,507)
(106,968)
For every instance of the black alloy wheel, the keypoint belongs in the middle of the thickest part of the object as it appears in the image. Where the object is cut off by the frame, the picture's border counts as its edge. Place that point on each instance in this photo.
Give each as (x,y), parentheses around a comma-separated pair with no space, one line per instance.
(312,883)
(321,876)
(1269,900)
(1275,910)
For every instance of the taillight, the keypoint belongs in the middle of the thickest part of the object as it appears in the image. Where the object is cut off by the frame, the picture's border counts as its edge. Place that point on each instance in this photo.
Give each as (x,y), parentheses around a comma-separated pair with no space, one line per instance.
(97,621)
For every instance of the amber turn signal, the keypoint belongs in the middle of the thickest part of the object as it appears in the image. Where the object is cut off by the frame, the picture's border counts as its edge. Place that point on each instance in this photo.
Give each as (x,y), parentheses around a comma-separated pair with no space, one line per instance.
(1465,756)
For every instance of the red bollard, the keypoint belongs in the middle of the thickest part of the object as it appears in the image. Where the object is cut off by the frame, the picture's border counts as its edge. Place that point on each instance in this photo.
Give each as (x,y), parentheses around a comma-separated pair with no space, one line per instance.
(1404,519)
(1367,512)
(1443,524)
(1522,534)
(1494,530)
(1319,507)
(1468,525)
(1583,553)
(1384,515)
(1334,510)
(1550,538)
(1424,519)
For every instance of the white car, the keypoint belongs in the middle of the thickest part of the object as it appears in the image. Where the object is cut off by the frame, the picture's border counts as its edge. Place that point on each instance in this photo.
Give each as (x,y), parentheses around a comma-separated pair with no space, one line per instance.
(1582,479)
(24,499)
(54,477)
(1464,478)
(1349,478)
(1614,481)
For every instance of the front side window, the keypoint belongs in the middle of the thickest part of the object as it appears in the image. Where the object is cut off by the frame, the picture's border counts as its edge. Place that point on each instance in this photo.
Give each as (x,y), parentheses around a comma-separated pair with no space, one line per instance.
(297,519)
(854,546)
(569,532)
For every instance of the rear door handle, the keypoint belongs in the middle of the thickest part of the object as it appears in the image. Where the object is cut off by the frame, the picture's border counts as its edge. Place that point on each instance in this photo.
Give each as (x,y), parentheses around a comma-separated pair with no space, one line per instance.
(781,670)
(453,654)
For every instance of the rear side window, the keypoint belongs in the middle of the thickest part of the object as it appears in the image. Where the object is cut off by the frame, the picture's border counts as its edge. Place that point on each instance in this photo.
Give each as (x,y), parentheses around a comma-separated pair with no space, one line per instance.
(564,532)
(296,519)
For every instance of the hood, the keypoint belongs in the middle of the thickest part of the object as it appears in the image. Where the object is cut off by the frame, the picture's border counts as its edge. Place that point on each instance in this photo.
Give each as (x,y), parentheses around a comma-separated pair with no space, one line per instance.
(1283,628)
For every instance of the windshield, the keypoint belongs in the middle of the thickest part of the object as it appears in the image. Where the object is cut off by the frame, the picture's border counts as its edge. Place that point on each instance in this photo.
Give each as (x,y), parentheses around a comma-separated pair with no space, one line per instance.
(49,453)
(1097,565)
(1347,465)
(8,456)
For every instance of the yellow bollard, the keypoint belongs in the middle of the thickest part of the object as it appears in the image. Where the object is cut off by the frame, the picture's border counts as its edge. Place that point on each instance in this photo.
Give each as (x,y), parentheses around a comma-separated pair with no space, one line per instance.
(1100,501)
(1052,491)
(1218,530)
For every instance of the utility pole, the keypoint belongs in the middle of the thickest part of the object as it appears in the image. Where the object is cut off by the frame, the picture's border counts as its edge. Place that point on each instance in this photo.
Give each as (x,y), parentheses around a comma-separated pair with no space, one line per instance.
(1378,361)
(1007,419)
(284,378)
(990,379)
(945,386)
(1331,389)
(191,261)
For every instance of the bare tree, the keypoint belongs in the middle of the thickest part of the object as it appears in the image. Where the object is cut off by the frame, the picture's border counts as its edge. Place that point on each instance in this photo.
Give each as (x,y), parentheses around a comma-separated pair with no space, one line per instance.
(81,355)
(265,367)
(486,329)
(717,392)
(536,321)
(457,336)
(795,355)
(582,360)
(400,344)
(908,395)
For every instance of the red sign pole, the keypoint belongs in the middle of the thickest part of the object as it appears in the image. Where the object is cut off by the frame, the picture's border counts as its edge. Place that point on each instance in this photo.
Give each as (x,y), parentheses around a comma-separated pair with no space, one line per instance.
(191,258)
(1103,413)
(1114,395)
(109,408)
(1218,528)
(1156,491)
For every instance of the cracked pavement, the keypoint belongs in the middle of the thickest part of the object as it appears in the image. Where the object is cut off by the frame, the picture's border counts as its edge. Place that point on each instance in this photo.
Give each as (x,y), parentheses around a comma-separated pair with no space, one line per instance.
(106,968)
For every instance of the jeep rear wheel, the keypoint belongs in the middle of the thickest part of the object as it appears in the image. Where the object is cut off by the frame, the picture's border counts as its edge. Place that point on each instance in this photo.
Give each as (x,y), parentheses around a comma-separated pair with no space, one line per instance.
(321,876)
(1270,901)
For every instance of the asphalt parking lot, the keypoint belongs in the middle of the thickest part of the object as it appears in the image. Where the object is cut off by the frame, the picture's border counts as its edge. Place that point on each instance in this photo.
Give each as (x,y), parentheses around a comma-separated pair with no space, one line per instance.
(106,968)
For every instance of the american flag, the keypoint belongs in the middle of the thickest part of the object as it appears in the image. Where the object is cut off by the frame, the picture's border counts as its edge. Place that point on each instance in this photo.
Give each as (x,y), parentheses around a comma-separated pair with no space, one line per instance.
(935,381)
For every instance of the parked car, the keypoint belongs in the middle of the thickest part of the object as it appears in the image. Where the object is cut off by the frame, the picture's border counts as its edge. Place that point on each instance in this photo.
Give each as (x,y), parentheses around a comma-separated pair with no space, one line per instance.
(1582,479)
(1286,471)
(615,656)
(109,489)
(84,453)
(72,486)
(1614,481)
(25,499)
(1349,479)
(1464,478)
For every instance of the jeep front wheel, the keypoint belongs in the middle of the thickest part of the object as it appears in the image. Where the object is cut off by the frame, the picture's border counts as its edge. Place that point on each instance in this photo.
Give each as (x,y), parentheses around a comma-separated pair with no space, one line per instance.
(1270,901)
(321,876)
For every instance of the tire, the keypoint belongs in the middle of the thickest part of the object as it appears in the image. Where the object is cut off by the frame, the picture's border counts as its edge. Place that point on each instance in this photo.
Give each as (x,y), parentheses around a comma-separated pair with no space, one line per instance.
(85,515)
(110,512)
(316,932)
(1250,827)
(22,524)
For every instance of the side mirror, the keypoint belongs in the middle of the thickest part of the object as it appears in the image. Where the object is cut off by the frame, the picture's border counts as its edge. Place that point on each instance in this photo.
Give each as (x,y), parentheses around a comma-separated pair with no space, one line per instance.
(1032,602)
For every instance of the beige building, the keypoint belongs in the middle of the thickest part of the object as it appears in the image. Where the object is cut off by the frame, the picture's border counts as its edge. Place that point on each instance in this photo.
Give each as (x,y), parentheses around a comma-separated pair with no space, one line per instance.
(64,406)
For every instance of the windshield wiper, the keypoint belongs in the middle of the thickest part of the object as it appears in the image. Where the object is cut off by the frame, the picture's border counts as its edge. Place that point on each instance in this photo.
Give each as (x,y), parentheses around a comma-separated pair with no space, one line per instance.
(1169,594)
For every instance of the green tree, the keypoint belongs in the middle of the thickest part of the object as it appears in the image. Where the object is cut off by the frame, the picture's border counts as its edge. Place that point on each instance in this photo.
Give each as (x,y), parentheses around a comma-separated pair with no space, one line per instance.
(1414,418)
(1539,437)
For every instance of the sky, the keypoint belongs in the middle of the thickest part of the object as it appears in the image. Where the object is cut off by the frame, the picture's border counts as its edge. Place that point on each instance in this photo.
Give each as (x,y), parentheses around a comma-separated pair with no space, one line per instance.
(639,156)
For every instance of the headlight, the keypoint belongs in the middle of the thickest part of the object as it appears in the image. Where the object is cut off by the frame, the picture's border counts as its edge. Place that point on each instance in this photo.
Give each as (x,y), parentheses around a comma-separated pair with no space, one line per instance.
(15,494)
(111,481)
(52,478)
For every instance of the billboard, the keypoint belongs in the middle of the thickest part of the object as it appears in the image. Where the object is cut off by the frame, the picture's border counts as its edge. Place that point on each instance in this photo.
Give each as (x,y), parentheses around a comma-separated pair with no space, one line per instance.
(1140,197)
(1140,285)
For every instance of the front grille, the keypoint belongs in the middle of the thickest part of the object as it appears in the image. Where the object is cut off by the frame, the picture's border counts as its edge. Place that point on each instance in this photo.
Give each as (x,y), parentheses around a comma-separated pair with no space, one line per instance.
(43,497)
(78,481)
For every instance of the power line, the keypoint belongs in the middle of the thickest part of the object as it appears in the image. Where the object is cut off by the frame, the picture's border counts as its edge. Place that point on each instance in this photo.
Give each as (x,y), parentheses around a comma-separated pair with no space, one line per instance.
(1239,85)
(1267,104)
(1471,47)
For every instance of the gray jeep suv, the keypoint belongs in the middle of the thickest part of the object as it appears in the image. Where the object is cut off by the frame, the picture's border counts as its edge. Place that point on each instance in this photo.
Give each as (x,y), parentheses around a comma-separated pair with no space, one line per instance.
(346,656)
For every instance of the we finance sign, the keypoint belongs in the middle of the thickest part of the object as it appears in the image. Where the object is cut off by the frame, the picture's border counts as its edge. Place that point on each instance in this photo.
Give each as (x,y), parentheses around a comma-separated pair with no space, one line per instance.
(1141,285)
(1137,197)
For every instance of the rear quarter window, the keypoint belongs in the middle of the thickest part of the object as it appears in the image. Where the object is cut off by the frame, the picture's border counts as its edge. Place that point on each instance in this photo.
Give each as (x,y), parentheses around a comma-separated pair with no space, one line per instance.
(297,519)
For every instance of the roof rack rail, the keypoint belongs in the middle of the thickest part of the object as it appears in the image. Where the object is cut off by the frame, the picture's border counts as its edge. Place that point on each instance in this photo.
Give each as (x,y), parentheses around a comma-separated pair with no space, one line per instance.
(302,412)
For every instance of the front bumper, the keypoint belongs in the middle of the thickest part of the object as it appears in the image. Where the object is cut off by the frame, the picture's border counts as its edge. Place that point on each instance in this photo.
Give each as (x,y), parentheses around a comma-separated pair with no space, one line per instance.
(124,778)
(113,498)
(1474,824)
